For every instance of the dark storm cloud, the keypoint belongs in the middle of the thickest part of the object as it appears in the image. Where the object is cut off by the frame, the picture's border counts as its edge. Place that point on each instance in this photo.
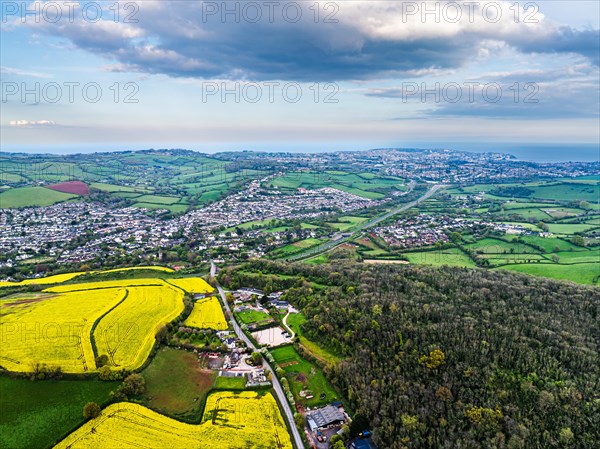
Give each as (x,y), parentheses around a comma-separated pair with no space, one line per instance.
(370,40)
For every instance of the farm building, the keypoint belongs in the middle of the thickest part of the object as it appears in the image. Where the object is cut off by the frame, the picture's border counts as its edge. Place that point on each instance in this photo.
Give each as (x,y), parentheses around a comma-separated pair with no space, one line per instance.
(252,291)
(246,294)
(325,417)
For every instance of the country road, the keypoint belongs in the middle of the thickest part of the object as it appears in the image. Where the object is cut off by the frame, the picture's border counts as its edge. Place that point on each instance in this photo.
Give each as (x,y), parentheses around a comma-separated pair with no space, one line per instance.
(372,222)
(288,328)
(289,415)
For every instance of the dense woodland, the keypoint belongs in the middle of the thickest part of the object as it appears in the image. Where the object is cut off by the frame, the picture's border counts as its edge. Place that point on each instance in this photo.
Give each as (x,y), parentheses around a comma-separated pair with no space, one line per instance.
(451,357)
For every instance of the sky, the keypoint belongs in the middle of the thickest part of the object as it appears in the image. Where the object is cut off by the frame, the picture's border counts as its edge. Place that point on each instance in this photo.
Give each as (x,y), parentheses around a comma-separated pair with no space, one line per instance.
(297,76)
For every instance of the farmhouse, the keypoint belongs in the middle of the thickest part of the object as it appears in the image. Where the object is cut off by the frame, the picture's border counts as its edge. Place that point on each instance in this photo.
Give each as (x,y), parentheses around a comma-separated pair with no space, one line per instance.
(246,294)
(325,417)
(231,360)
(256,378)
(230,342)
(252,291)
(282,305)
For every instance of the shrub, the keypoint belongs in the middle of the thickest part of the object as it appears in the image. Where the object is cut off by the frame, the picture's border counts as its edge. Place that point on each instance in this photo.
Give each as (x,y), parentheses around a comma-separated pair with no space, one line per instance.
(133,385)
(91,410)
(101,360)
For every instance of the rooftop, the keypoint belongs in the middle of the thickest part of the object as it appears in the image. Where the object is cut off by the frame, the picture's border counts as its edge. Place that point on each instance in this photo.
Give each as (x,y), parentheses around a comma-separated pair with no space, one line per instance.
(326,416)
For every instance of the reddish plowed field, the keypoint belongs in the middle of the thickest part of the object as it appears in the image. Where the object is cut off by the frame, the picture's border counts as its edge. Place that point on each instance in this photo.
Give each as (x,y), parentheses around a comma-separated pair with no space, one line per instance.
(74,187)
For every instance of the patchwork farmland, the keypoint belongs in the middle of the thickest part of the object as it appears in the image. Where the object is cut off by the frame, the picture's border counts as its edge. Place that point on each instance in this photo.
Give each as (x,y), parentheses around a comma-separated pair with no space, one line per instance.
(366,185)
(103,325)
(70,325)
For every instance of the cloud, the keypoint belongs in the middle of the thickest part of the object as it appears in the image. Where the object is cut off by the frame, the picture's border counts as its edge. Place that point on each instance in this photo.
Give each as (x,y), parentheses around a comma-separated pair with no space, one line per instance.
(31,123)
(19,72)
(371,39)
(525,94)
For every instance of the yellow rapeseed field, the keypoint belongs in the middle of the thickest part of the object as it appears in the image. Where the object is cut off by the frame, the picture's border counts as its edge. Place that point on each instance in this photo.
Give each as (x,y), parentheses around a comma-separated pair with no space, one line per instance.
(59,278)
(230,421)
(106,284)
(56,326)
(207,314)
(128,332)
(56,279)
(149,267)
(52,329)
(192,285)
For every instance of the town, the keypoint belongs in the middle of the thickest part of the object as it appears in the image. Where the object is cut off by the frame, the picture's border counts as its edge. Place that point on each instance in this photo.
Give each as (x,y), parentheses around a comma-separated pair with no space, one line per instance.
(270,208)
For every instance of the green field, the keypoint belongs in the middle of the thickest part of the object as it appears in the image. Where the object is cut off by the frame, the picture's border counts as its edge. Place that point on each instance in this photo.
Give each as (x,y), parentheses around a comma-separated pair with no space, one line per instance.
(451,257)
(307,243)
(286,228)
(555,191)
(36,414)
(582,273)
(375,253)
(173,177)
(230,383)
(296,247)
(258,224)
(251,316)
(303,375)
(172,207)
(213,195)
(127,194)
(526,213)
(498,259)
(366,185)
(510,205)
(32,196)
(157,199)
(550,244)
(368,249)
(176,384)
(562,212)
(112,188)
(317,260)
(529,226)
(568,229)
(10,177)
(592,255)
(344,223)
(495,246)
(567,192)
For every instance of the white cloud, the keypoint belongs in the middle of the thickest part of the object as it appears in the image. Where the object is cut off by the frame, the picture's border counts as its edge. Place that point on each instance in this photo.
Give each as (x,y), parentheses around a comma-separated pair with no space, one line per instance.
(31,123)
(19,72)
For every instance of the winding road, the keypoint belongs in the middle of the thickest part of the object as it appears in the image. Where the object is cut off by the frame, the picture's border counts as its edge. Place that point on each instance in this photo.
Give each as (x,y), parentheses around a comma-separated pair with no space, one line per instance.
(287,410)
(288,328)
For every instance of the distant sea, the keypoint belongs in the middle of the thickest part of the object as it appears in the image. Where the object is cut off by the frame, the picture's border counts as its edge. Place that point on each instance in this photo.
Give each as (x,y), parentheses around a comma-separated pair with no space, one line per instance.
(537,152)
